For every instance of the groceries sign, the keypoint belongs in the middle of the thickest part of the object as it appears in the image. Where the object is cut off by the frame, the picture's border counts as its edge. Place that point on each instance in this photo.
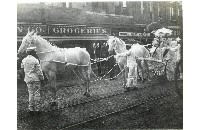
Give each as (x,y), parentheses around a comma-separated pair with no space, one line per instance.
(62,30)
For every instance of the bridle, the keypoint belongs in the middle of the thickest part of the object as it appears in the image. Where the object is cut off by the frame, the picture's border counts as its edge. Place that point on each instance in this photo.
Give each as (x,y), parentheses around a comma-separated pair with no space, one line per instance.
(114,44)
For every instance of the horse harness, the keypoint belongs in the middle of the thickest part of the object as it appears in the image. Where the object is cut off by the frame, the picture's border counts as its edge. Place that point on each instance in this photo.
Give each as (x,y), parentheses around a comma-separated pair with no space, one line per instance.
(51,52)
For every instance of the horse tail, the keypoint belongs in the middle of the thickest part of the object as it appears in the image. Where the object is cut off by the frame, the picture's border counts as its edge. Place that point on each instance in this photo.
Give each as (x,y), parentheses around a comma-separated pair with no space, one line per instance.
(87,63)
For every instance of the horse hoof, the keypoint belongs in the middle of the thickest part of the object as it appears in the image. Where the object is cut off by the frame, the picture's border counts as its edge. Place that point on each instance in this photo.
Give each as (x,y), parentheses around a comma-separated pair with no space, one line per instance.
(87,94)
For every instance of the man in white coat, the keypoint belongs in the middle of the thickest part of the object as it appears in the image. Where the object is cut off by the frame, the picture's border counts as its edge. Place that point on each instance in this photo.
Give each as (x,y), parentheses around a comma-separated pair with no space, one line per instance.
(132,68)
(33,77)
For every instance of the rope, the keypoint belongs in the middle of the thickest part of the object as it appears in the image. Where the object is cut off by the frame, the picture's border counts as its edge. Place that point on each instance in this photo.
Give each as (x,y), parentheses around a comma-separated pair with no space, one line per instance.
(64,62)
(77,64)
(115,76)
(101,59)
(95,75)
(150,59)
(108,78)
(109,71)
(100,78)
(77,76)
(105,74)
(47,51)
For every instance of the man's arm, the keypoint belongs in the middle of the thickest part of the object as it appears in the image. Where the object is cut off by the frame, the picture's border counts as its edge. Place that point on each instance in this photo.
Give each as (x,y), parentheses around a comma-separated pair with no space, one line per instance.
(39,70)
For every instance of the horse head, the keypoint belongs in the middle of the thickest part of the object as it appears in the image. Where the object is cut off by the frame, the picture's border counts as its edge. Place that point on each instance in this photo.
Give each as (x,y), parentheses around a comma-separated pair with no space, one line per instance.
(116,44)
(27,41)
(111,44)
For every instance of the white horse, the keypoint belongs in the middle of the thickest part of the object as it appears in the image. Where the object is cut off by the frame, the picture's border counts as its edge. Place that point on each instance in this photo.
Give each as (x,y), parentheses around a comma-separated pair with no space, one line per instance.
(119,47)
(54,59)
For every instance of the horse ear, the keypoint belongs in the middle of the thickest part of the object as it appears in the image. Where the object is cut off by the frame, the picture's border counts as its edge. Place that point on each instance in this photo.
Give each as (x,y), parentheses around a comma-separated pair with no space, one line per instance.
(32,32)
(36,33)
(94,45)
(154,31)
(29,30)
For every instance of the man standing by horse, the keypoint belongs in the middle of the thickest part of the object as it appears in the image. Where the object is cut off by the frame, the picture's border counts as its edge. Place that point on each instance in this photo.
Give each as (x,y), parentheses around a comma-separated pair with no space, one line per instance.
(132,73)
(33,78)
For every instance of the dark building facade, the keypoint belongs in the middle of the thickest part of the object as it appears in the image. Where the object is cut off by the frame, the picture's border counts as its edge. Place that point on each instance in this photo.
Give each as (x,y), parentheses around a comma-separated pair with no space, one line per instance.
(70,24)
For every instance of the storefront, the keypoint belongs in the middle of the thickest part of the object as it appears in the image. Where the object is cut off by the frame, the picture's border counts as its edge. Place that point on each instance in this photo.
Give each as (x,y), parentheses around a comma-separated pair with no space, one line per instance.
(137,33)
(66,36)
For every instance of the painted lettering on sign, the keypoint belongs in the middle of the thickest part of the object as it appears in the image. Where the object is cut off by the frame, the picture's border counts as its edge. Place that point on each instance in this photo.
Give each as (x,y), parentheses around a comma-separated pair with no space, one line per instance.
(22,29)
(134,34)
(176,32)
(74,31)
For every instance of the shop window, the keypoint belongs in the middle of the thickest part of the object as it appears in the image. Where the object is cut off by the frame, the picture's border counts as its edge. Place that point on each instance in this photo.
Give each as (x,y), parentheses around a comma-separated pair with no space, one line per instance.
(67,4)
(104,7)
(159,13)
(142,7)
(178,12)
(171,13)
(78,5)
(124,4)
(117,9)
(151,10)
(94,6)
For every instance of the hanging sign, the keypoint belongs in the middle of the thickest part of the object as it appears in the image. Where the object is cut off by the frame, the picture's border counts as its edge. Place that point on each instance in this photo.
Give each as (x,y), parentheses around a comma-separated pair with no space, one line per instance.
(22,29)
(134,34)
(64,30)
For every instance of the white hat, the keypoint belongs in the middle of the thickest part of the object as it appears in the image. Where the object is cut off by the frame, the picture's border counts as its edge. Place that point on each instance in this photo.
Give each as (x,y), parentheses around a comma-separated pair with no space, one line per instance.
(31,48)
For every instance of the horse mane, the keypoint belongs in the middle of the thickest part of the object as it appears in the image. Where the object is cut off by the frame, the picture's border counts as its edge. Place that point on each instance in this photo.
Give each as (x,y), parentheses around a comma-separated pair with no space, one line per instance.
(121,44)
(120,41)
(38,36)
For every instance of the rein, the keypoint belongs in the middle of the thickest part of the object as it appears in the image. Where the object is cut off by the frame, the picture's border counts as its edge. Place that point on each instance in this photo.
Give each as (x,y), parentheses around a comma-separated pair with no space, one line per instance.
(46,52)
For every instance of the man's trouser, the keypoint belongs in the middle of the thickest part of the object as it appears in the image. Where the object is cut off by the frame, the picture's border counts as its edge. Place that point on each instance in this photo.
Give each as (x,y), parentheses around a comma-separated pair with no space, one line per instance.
(34,95)
(132,76)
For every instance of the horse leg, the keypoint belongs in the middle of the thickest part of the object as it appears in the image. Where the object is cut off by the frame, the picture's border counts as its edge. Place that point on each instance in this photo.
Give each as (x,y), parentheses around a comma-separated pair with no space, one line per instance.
(86,71)
(138,75)
(147,70)
(99,68)
(124,69)
(52,80)
(104,67)
(140,66)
